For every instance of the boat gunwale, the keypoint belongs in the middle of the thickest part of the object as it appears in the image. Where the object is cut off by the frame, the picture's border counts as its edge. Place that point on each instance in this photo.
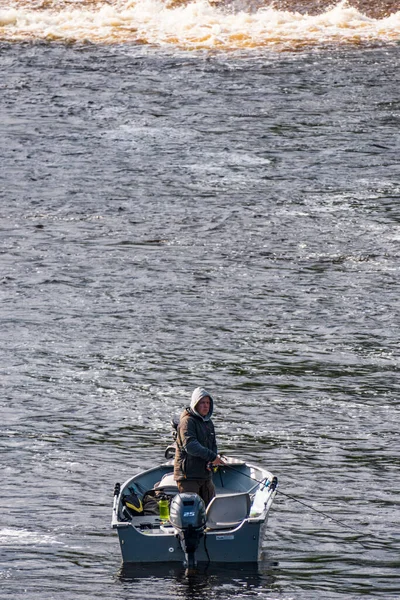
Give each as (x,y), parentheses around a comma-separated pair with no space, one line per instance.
(168,467)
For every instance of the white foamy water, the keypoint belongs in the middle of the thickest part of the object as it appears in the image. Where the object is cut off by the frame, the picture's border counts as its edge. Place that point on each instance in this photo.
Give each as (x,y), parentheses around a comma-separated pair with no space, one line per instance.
(196,25)
(10,536)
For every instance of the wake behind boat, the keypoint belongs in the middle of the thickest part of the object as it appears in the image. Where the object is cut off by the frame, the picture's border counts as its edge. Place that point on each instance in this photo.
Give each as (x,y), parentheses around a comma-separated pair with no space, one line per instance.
(181,529)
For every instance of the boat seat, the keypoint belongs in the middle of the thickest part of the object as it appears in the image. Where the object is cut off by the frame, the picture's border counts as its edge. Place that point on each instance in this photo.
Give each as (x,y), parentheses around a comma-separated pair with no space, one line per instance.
(228,510)
(167,484)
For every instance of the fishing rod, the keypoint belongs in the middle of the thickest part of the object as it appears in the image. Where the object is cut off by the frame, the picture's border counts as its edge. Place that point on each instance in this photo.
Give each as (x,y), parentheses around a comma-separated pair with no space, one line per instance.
(326,515)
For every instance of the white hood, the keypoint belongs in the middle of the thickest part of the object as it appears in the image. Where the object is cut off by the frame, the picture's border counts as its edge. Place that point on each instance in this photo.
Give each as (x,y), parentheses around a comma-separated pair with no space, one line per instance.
(197,395)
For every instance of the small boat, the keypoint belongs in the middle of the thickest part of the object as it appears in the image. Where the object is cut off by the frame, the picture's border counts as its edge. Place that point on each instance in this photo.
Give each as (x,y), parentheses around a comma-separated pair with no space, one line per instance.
(229,530)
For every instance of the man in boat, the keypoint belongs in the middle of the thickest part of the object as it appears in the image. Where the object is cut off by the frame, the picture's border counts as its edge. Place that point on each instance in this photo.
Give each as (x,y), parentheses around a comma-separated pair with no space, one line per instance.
(196,447)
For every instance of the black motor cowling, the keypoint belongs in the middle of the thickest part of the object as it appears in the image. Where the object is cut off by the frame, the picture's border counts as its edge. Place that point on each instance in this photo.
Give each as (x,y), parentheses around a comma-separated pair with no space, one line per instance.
(187,514)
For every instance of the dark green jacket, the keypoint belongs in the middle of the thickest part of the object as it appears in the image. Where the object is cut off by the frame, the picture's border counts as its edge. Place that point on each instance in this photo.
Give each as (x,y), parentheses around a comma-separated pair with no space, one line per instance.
(196,447)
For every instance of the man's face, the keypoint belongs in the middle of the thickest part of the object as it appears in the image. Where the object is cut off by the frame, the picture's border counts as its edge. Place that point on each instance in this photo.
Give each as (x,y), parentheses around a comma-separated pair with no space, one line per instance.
(203,406)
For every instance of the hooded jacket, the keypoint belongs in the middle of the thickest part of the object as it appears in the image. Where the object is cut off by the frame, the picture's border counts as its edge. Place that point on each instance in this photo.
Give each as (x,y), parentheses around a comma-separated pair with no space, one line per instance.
(195,443)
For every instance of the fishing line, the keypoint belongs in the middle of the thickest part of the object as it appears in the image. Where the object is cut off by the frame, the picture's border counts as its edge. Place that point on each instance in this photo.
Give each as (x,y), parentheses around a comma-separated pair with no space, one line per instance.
(367,545)
(321,512)
(345,525)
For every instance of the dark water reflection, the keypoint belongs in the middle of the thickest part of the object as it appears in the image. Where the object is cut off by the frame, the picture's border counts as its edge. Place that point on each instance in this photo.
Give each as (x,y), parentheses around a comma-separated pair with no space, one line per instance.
(209,581)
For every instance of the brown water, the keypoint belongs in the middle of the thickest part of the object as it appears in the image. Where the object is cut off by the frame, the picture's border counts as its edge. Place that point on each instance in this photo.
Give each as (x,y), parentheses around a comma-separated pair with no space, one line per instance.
(239,24)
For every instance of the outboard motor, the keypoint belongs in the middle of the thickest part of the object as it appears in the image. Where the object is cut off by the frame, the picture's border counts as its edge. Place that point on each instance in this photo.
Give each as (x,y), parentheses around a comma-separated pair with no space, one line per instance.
(187,514)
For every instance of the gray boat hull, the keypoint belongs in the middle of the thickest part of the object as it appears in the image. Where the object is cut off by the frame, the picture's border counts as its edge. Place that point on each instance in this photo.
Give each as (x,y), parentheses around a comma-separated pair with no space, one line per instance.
(241,544)
(146,539)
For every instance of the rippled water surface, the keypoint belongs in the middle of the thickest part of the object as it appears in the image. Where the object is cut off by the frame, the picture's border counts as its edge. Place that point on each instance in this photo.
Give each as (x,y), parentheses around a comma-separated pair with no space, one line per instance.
(173,219)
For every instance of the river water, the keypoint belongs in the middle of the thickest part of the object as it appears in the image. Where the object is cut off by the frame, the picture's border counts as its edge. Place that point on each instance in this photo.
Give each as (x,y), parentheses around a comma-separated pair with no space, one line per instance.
(218,211)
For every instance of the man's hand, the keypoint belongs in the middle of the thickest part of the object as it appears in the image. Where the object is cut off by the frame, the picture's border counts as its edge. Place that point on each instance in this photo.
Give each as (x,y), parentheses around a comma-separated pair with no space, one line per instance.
(218,461)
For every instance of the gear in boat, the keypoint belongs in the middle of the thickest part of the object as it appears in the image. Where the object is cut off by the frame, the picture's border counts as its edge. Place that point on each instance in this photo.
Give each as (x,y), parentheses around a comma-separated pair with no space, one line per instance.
(157,524)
